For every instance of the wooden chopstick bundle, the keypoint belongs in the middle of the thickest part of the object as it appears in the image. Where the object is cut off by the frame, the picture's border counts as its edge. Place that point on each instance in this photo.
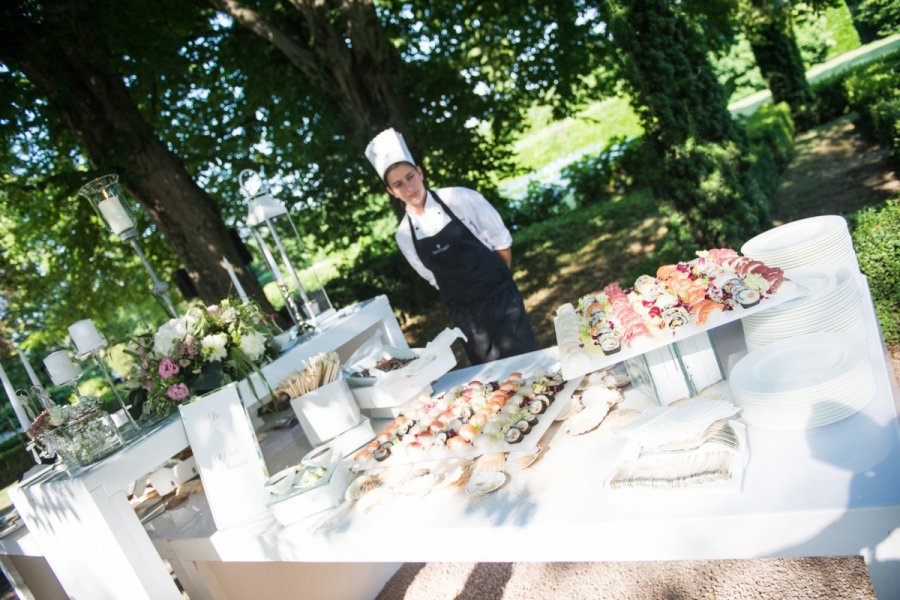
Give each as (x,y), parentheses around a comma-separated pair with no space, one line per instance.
(320,370)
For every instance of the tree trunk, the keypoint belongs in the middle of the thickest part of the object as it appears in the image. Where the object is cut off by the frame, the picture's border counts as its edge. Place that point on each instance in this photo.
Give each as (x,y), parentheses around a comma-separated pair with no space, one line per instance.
(346,56)
(66,58)
(770,31)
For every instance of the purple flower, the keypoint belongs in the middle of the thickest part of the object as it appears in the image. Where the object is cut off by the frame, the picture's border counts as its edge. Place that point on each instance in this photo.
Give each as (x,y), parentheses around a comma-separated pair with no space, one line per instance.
(168,368)
(178,392)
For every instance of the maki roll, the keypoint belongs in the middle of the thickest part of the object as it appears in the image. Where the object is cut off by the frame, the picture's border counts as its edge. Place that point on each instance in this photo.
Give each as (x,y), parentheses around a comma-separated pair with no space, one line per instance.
(513,435)
(382,452)
(747,297)
(610,344)
(523,426)
(676,316)
(532,419)
(537,407)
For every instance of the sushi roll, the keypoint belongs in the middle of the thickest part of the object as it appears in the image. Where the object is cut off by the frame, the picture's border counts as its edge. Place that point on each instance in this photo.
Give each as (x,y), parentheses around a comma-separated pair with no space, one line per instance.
(537,407)
(676,316)
(610,344)
(532,419)
(382,453)
(523,426)
(747,297)
(513,435)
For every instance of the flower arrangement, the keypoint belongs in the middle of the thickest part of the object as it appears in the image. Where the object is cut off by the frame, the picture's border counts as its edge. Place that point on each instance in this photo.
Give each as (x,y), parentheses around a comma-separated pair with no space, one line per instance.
(78,433)
(190,355)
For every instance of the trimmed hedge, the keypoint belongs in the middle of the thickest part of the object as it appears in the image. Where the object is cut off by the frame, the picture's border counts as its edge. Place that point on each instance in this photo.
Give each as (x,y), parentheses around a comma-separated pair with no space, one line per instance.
(876,237)
(770,131)
(13,463)
(872,91)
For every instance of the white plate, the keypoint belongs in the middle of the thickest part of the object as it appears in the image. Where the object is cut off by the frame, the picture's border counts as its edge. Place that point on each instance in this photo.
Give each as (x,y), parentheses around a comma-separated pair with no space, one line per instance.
(793,235)
(797,363)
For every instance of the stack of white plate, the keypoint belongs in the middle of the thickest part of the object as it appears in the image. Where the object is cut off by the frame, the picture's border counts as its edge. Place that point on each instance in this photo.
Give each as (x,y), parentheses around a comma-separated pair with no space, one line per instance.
(816,240)
(803,382)
(830,303)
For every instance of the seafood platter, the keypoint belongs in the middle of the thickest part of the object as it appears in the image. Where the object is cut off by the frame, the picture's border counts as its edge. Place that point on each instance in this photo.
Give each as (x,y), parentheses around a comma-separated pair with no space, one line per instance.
(470,420)
(679,301)
(584,405)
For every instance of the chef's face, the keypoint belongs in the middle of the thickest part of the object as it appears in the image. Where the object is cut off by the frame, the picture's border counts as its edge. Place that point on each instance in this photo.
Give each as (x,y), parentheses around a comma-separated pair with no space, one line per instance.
(406,183)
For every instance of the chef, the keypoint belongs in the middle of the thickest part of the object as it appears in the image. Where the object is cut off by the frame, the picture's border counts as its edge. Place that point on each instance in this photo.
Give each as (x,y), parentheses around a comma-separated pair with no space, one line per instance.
(457,241)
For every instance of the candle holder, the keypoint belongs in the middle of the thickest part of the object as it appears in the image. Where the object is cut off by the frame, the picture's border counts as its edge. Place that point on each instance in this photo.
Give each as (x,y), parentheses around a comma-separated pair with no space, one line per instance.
(265,217)
(89,342)
(106,197)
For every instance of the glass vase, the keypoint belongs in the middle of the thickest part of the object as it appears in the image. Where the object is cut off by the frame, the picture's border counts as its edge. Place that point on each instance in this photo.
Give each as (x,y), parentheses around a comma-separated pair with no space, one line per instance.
(86,440)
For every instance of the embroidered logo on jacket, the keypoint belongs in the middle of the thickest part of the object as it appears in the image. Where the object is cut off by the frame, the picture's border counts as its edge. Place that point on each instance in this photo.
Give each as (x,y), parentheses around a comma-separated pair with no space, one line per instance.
(438,248)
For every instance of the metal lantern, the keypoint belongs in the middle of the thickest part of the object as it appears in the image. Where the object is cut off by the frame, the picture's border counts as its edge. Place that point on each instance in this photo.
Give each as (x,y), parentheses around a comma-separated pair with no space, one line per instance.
(105,195)
(274,232)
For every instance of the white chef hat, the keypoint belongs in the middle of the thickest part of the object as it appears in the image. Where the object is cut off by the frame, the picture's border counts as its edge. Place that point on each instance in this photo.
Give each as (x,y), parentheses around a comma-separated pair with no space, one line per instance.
(386,149)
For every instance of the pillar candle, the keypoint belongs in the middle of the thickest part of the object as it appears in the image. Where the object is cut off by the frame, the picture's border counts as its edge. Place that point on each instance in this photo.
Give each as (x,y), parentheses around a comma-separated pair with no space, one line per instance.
(14,400)
(234,280)
(32,376)
(116,216)
(86,337)
(61,368)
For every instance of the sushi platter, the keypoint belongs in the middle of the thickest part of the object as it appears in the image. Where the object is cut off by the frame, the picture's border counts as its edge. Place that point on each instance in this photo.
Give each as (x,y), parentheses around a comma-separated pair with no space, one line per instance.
(682,300)
(470,420)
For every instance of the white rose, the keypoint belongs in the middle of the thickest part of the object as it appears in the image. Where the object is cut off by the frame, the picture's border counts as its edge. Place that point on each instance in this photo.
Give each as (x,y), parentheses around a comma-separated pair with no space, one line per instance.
(213,347)
(253,344)
(165,338)
(228,315)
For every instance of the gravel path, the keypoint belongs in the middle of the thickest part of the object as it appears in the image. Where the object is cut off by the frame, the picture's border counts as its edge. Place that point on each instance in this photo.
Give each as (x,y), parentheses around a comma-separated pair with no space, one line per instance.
(844,578)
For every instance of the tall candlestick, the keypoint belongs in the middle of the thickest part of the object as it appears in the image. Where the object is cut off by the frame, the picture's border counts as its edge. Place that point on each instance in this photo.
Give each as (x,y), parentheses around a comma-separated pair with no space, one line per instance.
(234,280)
(86,337)
(14,400)
(32,376)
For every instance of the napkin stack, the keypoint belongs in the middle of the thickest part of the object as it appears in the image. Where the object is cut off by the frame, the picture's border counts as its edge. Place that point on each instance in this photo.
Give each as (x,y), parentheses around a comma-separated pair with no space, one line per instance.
(695,444)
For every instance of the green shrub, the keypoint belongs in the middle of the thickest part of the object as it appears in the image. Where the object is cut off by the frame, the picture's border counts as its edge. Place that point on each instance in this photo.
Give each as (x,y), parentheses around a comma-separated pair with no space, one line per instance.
(13,463)
(540,202)
(831,98)
(770,131)
(876,237)
(619,166)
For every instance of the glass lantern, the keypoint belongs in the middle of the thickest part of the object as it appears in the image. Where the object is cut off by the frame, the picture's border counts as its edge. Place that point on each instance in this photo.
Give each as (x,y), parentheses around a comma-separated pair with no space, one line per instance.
(283,250)
(106,197)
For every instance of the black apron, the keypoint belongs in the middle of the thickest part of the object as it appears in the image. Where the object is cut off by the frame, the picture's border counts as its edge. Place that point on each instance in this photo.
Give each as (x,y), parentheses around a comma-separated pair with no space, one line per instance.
(478,290)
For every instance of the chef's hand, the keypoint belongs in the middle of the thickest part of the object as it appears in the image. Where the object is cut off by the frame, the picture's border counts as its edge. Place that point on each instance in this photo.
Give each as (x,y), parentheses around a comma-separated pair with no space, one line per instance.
(506,255)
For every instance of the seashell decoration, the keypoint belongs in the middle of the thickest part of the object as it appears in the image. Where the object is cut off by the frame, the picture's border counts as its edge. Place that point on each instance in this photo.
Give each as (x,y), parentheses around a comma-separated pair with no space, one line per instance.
(619,418)
(485,482)
(490,462)
(519,461)
(588,419)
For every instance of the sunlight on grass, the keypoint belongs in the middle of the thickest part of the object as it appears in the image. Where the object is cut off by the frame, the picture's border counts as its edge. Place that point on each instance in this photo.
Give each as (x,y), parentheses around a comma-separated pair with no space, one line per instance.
(548,141)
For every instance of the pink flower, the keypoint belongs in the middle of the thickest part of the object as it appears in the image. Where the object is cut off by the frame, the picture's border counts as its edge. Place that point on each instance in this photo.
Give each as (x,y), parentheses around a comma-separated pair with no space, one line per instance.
(178,392)
(168,368)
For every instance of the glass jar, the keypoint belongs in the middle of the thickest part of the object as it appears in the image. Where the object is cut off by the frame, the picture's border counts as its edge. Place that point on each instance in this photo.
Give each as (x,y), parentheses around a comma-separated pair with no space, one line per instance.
(86,440)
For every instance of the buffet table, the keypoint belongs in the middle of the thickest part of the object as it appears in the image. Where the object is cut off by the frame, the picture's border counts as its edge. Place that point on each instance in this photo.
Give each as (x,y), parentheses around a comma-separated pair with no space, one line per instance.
(832,490)
(84,524)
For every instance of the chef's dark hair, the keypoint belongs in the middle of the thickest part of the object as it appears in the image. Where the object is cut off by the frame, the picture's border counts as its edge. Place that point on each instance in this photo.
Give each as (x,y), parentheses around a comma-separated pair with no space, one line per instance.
(391,168)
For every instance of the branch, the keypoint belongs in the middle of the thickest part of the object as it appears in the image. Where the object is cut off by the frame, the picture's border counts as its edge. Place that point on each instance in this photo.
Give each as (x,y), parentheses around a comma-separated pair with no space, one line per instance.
(301,58)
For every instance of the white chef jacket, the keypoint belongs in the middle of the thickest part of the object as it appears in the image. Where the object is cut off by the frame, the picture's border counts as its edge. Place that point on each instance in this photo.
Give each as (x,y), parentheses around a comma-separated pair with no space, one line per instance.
(470,207)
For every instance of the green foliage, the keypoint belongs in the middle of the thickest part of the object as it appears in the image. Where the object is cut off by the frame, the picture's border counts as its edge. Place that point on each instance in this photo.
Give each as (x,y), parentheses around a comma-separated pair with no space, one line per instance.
(882,16)
(839,25)
(873,93)
(876,238)
(770,131)
(14,461)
